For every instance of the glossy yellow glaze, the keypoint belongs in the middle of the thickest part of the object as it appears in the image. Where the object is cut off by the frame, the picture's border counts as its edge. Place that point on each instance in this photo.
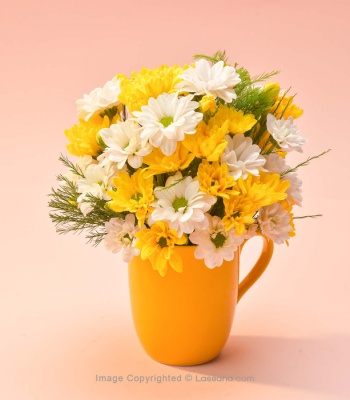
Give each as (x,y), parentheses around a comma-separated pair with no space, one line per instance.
(185,318)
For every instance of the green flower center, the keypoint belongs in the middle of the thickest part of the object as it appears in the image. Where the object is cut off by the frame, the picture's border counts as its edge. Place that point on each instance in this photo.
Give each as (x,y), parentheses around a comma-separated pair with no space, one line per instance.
(166,121)
(179,202)
(137,196)
(163,242)
(127,236)
(219,240)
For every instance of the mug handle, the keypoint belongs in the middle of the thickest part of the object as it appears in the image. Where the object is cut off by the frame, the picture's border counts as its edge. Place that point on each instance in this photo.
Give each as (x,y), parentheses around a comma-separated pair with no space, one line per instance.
(259,267)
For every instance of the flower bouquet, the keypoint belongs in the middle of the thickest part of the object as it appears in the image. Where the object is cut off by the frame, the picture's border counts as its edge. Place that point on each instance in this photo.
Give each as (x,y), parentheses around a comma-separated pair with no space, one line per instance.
(174,156)
(177,167)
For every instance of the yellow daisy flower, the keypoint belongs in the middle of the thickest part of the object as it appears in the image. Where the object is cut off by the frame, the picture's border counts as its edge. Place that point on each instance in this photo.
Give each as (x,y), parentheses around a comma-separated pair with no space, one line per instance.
(158,163)
(83,137)
(133,194)
(238,121)
(214,179)
(207,142)
(157,245)
(208,103)
(283,104)
(254,192)
(136,91)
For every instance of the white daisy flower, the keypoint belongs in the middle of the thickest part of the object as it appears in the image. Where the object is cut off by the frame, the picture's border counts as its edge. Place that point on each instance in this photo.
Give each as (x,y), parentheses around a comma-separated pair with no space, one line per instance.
(97,180)
(182,204)
(217,80)
(285,133)
(250,231)
(215,244)
(166,119)
(274,223)
(277,165)
(121,235)
(81,165)
(123,143)
(242,157)
(99,99)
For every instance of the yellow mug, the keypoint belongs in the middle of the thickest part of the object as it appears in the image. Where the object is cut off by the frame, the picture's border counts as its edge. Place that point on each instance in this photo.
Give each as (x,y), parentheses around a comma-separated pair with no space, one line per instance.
(186,318)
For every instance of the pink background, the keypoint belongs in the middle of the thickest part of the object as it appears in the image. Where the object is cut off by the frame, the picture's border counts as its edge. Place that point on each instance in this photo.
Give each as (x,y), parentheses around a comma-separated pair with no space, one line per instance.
(64,310)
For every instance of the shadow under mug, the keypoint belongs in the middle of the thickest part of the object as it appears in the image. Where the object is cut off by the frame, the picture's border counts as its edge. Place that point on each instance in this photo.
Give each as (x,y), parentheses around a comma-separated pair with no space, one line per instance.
(185,318)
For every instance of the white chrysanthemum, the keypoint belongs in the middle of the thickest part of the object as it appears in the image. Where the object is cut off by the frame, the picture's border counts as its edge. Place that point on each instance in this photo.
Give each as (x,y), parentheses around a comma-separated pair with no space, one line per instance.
(250,232)
(274,223)
(123,143)
(217,80)
(121,235)
(166,119)
(285,133)
(81,165)
(242,157)
(182,204)
(277,165)
(99,99)
(97,180)
(294,190)
(215,244)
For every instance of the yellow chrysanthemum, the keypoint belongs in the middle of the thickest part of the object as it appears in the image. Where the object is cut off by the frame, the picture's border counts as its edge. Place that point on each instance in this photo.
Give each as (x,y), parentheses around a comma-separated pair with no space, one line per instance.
(133,194)
(283,105)
(158,163)
(136,91)
(83,137)
(214,179)
(254,192)
(238,122)
(208,103)
(157,245)
(286,107)
(207,142)
(274,89)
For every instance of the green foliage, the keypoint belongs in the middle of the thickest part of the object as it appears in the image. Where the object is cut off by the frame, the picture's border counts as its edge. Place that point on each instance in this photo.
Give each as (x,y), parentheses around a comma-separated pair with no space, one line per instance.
(70,166)
(192,169)
(264,76)
(218,56)
(68,218)
(110,112)
(245,80)
(304,163)
(255,100)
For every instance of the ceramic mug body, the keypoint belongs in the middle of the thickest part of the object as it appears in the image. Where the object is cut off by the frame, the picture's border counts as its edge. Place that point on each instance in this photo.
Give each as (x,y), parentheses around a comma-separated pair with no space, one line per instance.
(186,318)
(183,318)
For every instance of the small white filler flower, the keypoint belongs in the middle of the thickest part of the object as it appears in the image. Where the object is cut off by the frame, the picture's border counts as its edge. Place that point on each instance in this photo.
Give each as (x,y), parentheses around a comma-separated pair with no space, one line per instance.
(121,235)
(215,244)
(97,180)
(274,222)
